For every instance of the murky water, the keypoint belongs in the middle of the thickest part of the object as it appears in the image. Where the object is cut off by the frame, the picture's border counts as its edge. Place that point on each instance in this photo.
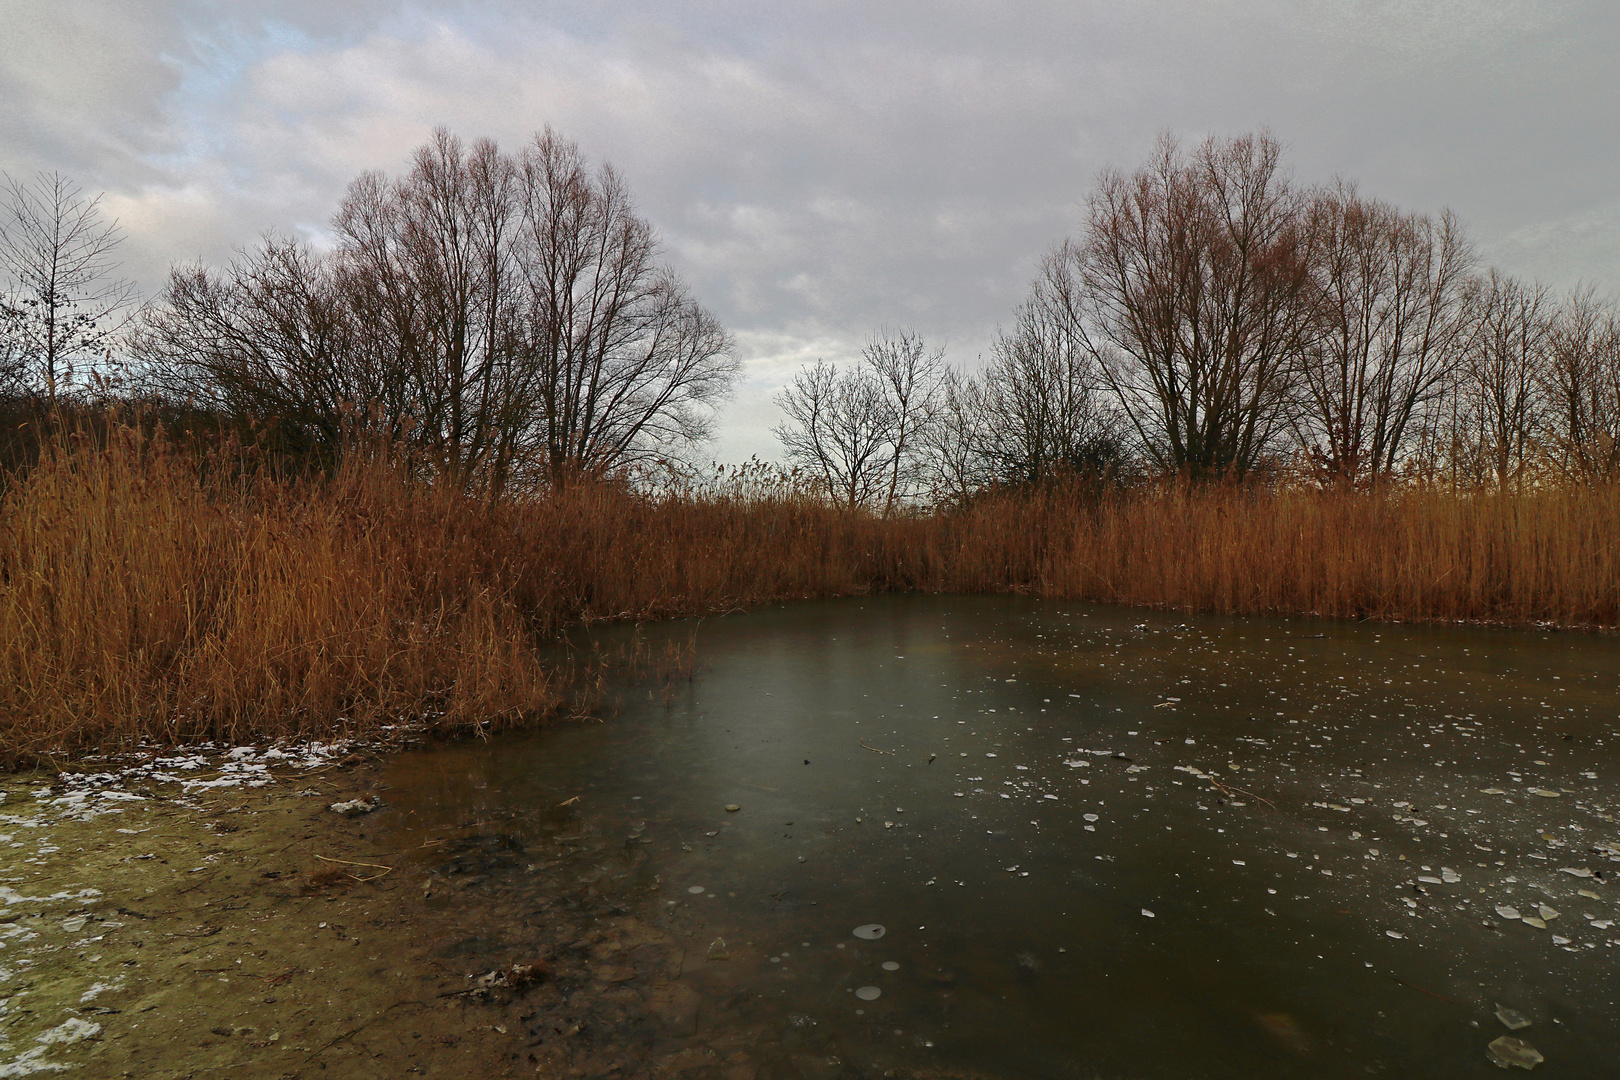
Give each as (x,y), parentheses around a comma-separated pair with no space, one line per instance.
(1104,843)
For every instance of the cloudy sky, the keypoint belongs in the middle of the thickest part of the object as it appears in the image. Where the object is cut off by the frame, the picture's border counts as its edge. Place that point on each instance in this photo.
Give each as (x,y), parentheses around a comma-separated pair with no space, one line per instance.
(819,169)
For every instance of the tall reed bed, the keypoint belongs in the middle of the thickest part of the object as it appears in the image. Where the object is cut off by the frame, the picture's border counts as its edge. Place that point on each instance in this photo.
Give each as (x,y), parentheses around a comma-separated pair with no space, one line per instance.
(148,593)
(1548,556)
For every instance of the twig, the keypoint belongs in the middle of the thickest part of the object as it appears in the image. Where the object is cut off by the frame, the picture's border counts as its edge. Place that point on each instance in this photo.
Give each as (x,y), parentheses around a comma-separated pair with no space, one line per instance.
(1231,791)
(569,802)
(875,750)
(386,870)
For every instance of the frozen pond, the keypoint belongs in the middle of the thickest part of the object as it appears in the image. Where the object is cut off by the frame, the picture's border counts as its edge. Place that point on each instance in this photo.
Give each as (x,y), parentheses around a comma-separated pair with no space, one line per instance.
(992,835)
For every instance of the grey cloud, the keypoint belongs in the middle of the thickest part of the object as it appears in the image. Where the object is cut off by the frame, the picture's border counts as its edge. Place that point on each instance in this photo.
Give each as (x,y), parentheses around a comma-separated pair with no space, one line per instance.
(820,169)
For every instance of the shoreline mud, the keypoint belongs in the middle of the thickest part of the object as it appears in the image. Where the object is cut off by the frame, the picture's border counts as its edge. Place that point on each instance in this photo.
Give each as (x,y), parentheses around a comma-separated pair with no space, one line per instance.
(210,914)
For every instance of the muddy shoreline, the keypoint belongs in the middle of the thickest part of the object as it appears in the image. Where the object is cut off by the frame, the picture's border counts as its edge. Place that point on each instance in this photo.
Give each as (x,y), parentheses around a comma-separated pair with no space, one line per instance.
(226,920)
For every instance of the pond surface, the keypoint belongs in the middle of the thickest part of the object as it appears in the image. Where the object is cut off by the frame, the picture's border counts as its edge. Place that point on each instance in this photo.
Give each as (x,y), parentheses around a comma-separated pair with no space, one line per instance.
(1100,842)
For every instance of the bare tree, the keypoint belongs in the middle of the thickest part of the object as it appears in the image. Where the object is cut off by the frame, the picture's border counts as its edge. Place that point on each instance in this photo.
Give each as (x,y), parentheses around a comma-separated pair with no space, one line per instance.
(424,262)
(273,336)
(1387,291)
(60,304)
(911,378)
(956,443)
(866,432)
(1190,278)
(623,359)
(506,312)
(13,361)
(840,428)
(1580,384)
(1498,403)
(1046,401)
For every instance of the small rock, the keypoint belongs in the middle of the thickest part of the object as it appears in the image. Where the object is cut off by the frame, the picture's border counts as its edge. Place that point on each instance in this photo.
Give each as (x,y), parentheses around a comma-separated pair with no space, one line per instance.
(353,807)
(732,808)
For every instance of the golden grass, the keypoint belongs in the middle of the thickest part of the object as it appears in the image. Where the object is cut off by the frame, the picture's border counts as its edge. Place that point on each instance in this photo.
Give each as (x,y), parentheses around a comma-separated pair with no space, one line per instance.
(148,594)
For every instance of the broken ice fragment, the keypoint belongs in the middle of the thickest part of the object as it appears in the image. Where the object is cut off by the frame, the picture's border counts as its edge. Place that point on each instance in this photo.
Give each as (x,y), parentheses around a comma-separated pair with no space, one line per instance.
(1511,1019)
(1572,871)
(1508,1051)
(1531,920)
(1507,912)
(1449,876)
(1546,912)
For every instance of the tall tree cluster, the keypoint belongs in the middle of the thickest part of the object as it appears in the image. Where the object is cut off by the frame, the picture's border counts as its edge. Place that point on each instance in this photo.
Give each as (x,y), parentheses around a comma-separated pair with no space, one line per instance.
(504,314)
(1214,319)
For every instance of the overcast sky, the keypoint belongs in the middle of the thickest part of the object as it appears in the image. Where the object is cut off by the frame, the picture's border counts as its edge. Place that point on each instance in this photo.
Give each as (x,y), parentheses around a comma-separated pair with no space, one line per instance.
(817,170)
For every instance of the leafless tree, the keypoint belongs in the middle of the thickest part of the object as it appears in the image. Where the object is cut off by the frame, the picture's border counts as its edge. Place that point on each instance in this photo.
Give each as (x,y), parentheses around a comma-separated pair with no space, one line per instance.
(911,378)
(1580,384)
(621,356)
(507,312)
(424,263)
(957,443)
(1190,280)
(1046,401)
(13,361)
(867,431)
(273,336)
(60,303)
(839,430)
(1387,290)
(1498,403)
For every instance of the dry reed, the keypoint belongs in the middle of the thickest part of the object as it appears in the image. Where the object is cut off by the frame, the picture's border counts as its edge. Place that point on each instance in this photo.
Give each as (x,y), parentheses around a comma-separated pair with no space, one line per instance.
(148,595)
